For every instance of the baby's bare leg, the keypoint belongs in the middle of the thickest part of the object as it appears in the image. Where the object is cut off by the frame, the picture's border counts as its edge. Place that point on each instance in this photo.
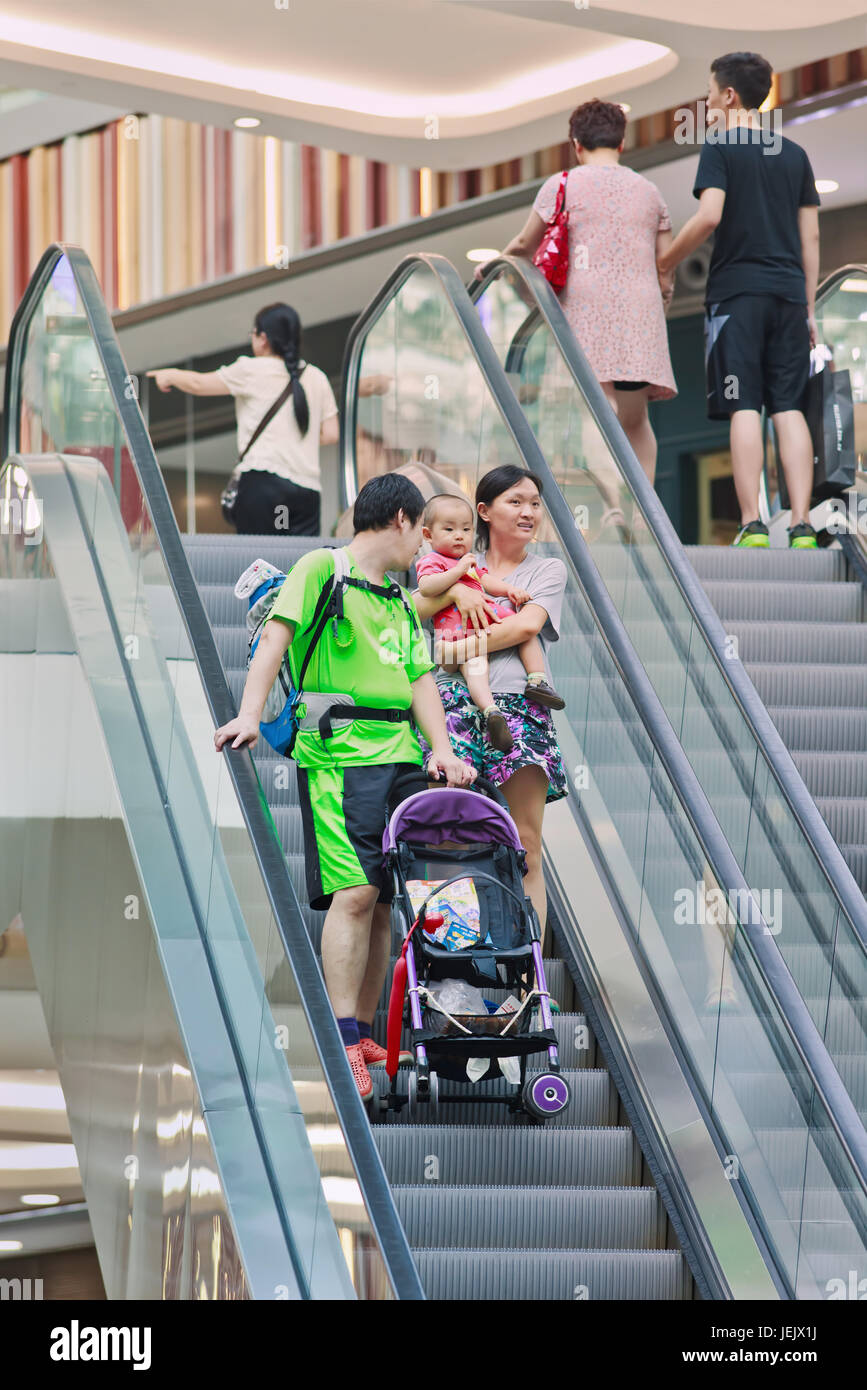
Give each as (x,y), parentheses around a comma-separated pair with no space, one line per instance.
(475,673)
(531,656)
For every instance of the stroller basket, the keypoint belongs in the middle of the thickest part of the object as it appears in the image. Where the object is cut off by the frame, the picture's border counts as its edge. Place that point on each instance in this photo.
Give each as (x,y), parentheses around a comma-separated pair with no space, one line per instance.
(479,1025)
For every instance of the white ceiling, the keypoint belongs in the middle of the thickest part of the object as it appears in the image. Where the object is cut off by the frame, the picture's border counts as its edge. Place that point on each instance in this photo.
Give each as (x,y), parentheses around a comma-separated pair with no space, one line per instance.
(366,76)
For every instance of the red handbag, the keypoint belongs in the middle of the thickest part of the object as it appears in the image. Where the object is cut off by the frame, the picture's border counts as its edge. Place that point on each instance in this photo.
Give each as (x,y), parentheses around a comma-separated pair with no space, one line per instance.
(552,257)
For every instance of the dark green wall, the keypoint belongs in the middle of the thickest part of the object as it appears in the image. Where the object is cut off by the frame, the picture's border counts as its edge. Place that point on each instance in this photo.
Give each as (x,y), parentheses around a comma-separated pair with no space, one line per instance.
(682,427)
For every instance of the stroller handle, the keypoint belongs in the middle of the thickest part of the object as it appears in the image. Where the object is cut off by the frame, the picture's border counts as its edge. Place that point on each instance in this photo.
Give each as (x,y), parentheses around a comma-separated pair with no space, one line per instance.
(416,780)
(482,784)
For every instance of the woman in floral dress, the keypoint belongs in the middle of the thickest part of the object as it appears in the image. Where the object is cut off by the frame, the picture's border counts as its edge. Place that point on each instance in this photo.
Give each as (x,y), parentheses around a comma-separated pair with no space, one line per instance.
(613,299)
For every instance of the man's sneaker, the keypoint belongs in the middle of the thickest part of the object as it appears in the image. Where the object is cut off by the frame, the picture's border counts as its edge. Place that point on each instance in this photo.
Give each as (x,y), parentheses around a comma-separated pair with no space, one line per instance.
(802,537)
(753,536)
(375,1056)
(359,1071)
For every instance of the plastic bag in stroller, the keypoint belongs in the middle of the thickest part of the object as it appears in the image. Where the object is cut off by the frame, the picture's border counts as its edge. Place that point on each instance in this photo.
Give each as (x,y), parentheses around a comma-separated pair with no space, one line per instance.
(462,917)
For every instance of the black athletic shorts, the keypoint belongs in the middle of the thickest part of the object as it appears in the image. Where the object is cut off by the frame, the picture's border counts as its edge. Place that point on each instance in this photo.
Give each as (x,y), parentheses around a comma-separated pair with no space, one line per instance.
(629,385)
(757,353)
(343,812)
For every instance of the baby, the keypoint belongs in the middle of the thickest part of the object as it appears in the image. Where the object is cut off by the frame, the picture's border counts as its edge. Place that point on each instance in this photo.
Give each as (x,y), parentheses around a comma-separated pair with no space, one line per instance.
(448,525)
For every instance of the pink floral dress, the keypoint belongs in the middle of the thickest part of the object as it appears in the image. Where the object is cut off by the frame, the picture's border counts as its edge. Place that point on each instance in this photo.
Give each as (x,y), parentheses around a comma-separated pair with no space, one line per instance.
(611,297)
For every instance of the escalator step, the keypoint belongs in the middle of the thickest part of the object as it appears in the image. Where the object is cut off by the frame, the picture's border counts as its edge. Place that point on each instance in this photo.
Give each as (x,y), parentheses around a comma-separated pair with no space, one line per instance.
(846,818)
(808,603)
(856,859)
(600,1275)
(499,1154)
(839,643)
(821,686)
(530,1218)
(226,557)
(832,776)
(835,730)
(720,562)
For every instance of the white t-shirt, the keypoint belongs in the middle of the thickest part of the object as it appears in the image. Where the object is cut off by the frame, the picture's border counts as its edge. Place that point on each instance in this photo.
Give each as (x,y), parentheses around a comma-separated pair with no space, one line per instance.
(256,382)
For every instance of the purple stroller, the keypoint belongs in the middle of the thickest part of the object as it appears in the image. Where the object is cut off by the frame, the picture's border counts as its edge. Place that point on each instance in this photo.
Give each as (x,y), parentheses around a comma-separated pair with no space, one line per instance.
(433,840)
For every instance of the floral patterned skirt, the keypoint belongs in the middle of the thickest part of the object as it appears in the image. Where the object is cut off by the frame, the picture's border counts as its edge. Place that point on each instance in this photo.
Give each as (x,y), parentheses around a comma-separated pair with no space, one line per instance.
(530,725)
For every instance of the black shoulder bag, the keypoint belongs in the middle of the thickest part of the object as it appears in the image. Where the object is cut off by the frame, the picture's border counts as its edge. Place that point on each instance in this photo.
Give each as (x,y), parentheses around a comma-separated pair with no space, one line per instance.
(229,495)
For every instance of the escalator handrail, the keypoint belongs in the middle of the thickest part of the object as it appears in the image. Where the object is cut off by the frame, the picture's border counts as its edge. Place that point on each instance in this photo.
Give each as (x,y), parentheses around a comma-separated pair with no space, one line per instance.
(836,278)
(364,1155)
(793,1012)
(825,849)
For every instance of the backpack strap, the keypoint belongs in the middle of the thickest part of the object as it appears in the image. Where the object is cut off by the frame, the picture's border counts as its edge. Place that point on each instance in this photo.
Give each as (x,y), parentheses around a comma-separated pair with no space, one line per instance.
(390,716)
(330,605)
(331,591)
(385,591)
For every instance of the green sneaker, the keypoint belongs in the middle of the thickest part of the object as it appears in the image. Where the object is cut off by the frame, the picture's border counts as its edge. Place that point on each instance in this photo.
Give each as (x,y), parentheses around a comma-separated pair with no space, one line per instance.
(753,536)
(802,537)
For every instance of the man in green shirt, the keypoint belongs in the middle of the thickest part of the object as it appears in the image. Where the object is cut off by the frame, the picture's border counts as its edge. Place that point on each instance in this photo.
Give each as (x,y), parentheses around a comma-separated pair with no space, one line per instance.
(379,657)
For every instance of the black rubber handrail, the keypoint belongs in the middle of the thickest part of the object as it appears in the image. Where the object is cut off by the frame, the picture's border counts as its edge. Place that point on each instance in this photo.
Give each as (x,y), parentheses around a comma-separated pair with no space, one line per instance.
(794,1015)
(367,1164)
(824,847)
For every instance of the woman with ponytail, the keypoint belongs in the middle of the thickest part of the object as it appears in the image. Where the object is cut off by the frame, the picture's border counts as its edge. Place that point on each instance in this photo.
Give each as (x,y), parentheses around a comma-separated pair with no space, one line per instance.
(278,477)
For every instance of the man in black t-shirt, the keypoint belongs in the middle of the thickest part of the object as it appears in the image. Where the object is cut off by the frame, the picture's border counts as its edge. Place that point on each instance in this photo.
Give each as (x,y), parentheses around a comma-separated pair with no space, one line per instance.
(759,196)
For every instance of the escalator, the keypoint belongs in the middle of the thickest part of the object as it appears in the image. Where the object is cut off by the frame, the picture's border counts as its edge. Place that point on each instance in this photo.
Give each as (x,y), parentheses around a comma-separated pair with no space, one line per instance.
(789,634)
(223,1148)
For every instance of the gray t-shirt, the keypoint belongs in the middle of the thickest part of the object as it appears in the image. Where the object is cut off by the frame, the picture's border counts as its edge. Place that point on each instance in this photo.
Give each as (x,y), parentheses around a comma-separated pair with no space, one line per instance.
(544,578)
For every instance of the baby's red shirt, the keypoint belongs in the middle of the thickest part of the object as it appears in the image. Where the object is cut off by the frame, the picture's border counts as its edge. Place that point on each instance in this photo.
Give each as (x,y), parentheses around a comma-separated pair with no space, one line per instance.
(434,563)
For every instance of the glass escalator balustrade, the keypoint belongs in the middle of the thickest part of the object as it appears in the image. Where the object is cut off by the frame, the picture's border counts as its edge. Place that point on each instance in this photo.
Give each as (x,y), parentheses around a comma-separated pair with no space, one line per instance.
(818,941)
(212,1157)
(689,927)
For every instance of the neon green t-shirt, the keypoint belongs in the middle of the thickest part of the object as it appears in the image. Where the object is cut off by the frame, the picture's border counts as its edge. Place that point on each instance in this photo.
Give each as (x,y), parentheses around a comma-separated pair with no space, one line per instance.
(375,657)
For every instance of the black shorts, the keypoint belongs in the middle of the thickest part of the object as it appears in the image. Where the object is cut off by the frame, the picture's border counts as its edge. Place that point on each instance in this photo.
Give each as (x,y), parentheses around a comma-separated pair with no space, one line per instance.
(757,353)
(343,811)
(268,505)
(629,385)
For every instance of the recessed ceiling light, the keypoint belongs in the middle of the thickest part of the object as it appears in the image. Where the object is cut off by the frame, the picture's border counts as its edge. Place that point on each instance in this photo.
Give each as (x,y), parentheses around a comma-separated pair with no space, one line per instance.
(624,106)
(827,185)
(6,1245)
(247,122)
(40,1199)
(482,253)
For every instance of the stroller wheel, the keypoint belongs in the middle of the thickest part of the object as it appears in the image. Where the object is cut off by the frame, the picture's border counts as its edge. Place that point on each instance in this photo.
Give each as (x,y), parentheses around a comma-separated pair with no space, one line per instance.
(546,1094)
(423,1109)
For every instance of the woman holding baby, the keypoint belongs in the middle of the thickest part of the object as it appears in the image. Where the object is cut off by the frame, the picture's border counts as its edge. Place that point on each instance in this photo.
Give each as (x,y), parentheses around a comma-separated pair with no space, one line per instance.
(498,709)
